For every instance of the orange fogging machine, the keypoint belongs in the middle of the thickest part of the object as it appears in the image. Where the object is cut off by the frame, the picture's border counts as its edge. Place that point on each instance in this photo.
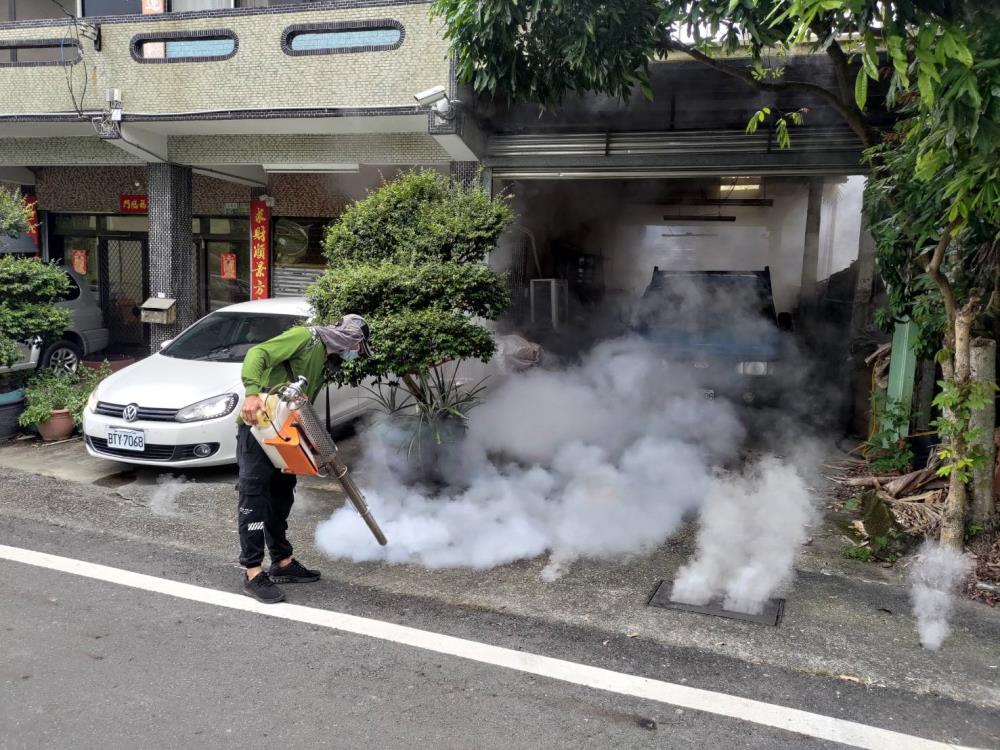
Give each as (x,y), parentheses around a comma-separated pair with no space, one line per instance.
(294,438)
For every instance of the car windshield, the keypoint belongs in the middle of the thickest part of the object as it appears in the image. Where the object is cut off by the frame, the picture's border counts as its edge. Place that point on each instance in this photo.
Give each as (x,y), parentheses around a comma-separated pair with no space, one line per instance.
(705,302)
(228,336)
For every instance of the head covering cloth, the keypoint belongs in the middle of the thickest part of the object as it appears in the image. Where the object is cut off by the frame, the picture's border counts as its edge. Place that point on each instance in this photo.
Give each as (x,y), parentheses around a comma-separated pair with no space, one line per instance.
(347,334)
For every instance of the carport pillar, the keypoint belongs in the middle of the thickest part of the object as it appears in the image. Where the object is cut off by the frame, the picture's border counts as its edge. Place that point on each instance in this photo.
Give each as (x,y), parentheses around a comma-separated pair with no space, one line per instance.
(465,172)
(171,247)
(810,257)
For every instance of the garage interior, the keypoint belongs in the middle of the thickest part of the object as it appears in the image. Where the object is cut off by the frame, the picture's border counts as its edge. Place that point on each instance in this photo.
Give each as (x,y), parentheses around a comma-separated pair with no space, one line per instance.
(583,251)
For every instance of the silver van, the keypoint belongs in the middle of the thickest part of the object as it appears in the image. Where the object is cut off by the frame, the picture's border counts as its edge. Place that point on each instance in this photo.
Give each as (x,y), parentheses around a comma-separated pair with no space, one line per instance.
(85,335)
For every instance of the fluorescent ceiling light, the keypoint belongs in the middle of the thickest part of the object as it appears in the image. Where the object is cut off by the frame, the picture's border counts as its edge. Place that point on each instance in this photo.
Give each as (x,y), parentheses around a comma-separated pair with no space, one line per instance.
(739,184)
(318,168)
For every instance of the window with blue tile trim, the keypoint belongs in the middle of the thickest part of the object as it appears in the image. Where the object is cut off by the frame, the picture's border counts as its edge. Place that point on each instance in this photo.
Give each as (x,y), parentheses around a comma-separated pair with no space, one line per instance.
(308,41)
(209,47)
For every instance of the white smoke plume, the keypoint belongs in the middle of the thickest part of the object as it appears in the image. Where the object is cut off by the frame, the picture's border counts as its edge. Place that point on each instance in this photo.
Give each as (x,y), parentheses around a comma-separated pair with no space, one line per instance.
(752,525)
(935,576)
(601,460)
(163,501)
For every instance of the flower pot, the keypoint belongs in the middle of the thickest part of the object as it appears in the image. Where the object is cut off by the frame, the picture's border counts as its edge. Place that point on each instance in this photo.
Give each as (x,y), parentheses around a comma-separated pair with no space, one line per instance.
(115,361)
(58,426)
(423,457)
(8,418)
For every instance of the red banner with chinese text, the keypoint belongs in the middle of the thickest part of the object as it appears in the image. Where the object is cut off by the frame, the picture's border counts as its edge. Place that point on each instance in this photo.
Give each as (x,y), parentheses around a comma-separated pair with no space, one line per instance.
(31,202)
(133,204)
(260,250)
(227,266)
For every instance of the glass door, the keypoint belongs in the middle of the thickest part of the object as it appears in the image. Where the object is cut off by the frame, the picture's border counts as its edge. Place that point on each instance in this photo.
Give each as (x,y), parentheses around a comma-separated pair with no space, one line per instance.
(123,287)
(228,273)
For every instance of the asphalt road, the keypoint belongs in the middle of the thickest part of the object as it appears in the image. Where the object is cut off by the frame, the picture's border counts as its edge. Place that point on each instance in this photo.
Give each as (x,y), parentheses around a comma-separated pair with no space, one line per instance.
(92,664)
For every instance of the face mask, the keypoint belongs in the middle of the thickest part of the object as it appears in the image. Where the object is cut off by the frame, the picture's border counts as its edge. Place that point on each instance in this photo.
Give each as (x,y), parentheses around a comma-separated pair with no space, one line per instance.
(349,355)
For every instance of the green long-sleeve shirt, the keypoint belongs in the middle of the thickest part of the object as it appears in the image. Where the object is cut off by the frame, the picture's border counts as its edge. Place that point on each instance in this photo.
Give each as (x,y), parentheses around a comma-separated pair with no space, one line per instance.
(264,365)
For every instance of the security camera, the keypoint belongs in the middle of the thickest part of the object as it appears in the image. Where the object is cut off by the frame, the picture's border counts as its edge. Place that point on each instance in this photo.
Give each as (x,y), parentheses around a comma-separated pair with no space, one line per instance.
(431,96)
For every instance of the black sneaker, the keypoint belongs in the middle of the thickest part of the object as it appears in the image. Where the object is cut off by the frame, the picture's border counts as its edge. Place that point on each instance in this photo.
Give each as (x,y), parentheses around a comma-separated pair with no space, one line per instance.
(262,588)
(294,572)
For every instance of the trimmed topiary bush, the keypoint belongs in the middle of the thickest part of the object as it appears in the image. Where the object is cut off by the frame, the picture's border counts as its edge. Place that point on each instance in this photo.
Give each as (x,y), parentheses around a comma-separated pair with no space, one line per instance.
(410,259)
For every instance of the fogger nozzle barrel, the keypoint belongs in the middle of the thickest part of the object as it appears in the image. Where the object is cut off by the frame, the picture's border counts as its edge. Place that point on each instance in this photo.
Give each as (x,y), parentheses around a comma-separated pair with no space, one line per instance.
(329,458)
(339,470)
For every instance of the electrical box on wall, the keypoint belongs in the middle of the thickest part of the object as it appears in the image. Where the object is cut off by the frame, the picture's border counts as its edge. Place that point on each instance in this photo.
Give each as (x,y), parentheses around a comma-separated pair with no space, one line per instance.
(159,310)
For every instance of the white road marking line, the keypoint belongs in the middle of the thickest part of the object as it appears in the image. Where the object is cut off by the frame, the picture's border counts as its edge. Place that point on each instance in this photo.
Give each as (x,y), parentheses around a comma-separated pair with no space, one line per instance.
(744,709)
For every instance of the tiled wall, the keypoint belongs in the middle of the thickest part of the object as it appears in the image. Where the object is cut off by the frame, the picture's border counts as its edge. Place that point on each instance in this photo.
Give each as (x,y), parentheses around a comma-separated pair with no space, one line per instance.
(83,189)
(39,152)
(87,188)
(305,195)
(171,251)
(372,148)
(367,148)
(259,75)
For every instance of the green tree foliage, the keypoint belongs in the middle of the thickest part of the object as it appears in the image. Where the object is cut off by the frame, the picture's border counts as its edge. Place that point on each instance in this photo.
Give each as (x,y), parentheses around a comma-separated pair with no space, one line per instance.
(27,304)
(15,216)
(934,205)
(541,51)
(409,258)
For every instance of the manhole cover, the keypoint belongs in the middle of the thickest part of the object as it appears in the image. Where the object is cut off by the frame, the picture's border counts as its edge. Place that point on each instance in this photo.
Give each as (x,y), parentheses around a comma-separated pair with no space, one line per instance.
(771,615)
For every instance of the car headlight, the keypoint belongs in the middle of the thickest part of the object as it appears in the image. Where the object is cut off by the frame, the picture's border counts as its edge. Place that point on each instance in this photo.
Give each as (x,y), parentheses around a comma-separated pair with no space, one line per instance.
(210,408)
(754,368)
(92,401)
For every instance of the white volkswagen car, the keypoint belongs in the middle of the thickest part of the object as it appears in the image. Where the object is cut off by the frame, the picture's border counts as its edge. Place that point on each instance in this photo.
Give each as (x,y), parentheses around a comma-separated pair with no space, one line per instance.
(178,407)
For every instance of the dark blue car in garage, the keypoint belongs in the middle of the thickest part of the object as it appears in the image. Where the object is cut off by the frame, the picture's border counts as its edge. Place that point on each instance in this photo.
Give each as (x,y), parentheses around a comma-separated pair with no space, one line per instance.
(721,327)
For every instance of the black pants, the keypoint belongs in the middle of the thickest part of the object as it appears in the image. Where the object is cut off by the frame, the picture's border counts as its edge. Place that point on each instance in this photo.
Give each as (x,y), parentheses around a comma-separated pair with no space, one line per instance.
(266,497)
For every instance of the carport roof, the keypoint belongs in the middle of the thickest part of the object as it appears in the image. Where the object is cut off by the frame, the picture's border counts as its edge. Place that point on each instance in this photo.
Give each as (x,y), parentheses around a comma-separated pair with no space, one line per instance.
(636,155)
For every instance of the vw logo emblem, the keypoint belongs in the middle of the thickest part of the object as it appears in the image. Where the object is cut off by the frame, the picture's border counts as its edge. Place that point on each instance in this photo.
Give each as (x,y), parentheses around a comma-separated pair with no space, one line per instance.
(130,413)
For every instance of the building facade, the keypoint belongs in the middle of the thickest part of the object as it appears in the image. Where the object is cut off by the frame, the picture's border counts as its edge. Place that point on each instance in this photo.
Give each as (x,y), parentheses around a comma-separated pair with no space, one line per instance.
(197,149)
(147,131)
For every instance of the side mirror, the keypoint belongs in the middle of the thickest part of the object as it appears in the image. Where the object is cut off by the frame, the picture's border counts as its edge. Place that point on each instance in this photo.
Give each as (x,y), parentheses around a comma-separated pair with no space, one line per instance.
(166,343)
(784,321)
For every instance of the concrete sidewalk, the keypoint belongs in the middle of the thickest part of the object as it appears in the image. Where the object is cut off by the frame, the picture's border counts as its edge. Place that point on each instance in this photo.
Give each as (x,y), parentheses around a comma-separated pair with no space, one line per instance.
(842,618)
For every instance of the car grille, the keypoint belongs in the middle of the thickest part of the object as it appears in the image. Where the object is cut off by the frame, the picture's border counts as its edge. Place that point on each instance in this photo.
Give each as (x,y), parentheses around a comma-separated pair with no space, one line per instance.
(151,452)
(146,413)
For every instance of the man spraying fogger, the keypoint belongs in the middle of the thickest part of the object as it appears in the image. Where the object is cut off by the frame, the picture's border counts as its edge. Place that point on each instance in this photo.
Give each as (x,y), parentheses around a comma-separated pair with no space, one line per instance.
(266,494)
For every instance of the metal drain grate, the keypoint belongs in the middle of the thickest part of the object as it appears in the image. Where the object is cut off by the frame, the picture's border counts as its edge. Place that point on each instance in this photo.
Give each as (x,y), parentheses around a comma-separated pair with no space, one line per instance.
(771,615)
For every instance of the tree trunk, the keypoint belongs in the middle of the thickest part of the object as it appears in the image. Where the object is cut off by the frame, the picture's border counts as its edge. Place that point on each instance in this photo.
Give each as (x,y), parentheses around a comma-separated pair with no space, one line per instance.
(983,370)
(953,522)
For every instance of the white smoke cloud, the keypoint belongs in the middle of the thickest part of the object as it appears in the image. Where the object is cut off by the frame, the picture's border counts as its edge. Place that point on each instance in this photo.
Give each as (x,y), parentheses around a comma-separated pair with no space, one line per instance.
(601,460)
(752,525)
(935,576)
(163,501)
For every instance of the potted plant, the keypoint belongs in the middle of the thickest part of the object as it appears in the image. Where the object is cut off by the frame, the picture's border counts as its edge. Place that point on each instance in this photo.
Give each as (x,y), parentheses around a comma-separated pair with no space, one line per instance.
(424,428)
(55,400)
(49,397)
(29,291)
(410,259)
